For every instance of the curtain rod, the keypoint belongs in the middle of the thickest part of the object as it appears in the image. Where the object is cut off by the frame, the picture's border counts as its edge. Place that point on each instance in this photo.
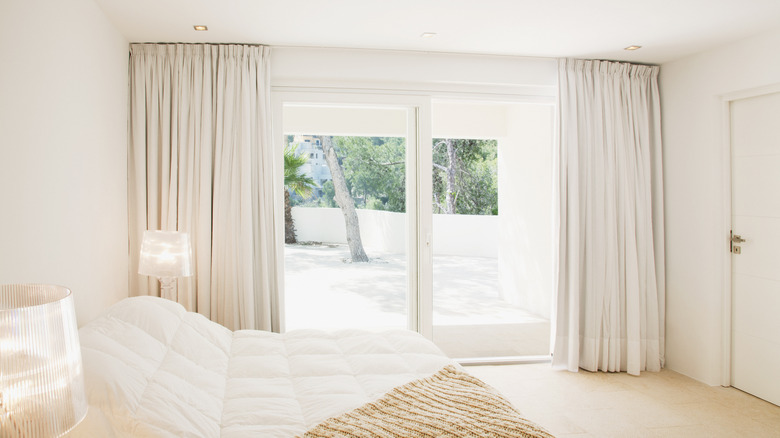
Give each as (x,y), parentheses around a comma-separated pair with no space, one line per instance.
(437,52)
(200,44)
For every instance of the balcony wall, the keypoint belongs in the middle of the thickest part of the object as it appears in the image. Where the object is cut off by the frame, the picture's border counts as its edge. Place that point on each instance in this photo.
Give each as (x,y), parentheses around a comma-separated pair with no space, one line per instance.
(386,231)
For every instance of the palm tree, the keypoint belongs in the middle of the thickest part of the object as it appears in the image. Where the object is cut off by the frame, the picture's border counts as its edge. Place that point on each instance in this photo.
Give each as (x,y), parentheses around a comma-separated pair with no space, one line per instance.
(297,182)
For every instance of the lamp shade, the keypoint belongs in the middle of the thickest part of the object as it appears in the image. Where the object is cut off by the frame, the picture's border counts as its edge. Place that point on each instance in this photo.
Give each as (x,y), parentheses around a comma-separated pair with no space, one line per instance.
(165,254)
(41,376)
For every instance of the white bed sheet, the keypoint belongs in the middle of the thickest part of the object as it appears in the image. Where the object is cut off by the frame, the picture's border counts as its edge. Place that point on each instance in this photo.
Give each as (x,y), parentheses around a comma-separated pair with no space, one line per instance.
(153,369)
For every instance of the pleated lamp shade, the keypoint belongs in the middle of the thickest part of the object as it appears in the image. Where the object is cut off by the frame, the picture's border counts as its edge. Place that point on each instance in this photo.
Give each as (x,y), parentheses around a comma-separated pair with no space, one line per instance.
(41,376)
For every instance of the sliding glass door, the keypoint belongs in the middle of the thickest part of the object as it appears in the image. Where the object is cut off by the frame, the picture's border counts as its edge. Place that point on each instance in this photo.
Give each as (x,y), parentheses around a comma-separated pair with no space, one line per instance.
(402,212)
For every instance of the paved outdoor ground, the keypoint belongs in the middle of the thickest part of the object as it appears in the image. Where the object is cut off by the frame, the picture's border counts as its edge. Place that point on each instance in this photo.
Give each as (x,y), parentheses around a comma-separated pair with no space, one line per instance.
(324,290)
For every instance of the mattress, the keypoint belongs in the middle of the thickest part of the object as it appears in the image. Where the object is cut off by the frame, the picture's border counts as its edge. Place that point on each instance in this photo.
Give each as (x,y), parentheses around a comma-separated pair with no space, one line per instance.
(152,369)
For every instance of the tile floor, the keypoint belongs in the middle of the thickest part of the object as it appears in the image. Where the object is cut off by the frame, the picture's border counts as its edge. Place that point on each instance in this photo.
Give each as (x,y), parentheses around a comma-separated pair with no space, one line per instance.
(470,317)
(663,404)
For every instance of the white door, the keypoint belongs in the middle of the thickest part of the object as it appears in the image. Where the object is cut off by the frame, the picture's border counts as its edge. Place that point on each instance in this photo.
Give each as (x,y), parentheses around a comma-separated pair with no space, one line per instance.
(755,148)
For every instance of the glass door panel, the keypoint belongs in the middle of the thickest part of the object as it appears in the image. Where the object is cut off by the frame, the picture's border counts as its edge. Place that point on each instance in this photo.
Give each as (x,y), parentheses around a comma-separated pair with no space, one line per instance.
(492,225)
(346,252)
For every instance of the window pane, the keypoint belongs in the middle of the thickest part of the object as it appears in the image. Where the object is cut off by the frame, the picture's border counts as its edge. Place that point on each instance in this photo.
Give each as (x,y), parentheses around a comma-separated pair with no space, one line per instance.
(330,283)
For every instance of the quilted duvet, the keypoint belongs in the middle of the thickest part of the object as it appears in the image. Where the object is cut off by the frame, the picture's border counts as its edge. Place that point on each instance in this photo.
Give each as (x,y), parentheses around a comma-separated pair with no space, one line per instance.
(152,369)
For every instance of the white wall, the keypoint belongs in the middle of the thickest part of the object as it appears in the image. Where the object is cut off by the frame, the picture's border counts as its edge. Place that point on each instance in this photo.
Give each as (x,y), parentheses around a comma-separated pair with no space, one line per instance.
(63,150)
(695,241)
(385,231)
(411,72)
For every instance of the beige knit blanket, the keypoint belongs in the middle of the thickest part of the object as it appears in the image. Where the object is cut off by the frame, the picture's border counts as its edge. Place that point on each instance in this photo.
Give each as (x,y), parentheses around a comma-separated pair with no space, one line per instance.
(450,403)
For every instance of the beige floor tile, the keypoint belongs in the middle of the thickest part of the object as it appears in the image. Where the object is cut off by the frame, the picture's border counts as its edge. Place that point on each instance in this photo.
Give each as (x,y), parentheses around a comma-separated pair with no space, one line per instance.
(745,403)
(773,422)
(694,431)
(605,405)
(658,415)
(757,429)
(608,423)
(559,423)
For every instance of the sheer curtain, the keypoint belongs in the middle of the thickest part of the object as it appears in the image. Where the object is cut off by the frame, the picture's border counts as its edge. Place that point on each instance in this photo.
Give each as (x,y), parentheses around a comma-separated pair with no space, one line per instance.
(200,161)
(610,285)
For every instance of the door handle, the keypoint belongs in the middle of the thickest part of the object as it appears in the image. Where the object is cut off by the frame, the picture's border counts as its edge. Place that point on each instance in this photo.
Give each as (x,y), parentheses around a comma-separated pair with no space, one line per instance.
(736,238)
(734,242)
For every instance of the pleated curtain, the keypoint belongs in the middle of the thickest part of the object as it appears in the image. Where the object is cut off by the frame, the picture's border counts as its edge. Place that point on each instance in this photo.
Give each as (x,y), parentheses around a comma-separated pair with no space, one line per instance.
(610,293)
(200,161)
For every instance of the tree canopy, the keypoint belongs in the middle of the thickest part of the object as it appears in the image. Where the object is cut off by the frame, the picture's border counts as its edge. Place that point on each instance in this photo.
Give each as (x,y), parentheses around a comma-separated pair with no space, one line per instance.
(466,170)
(375,173)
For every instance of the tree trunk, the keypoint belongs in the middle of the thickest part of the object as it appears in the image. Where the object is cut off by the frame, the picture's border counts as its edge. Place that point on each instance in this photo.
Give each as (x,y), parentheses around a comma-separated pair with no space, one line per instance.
(452,158)
(289,226)
(344,200)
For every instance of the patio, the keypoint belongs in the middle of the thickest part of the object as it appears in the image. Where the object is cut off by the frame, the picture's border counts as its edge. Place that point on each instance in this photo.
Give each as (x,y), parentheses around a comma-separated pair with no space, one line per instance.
(324,290)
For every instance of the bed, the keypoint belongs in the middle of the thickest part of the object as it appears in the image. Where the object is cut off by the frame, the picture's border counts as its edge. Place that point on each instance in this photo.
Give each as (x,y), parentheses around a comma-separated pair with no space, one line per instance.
(152,369)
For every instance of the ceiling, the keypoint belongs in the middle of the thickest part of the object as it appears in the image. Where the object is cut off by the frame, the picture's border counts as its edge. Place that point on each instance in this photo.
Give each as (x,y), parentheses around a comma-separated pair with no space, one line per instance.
(666,29)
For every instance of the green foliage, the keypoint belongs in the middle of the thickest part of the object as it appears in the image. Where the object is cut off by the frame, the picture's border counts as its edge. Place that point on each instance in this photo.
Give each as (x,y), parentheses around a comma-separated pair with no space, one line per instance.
(476,176)
(293,178)
(375,172)
(375,169)
(328,198)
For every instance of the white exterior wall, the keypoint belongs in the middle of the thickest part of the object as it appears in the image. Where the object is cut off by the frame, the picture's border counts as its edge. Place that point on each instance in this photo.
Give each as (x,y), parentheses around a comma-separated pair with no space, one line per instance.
(385,231)
(694,181)
(63,150)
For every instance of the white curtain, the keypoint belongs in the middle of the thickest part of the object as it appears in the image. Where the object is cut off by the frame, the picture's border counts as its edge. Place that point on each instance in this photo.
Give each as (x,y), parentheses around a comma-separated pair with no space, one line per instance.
(610,284)
(200,161)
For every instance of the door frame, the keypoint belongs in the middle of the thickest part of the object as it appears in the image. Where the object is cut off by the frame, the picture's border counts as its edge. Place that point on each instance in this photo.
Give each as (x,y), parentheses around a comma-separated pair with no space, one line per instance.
(727,282)
(419,246)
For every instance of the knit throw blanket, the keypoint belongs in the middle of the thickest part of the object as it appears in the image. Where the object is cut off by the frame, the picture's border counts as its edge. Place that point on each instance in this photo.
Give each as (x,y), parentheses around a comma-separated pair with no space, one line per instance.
(450,403)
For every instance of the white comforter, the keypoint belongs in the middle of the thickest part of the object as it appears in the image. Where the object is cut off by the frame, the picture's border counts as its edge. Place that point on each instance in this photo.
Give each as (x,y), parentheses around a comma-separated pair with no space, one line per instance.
(153,369)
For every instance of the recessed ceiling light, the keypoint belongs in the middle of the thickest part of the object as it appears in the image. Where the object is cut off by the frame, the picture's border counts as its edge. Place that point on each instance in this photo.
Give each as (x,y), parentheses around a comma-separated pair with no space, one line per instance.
(633,48)
(428,35)
(200,27)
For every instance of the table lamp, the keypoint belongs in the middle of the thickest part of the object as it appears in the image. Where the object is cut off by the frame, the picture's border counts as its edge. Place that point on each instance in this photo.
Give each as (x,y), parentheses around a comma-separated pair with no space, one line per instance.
(41,376)
(166,255)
